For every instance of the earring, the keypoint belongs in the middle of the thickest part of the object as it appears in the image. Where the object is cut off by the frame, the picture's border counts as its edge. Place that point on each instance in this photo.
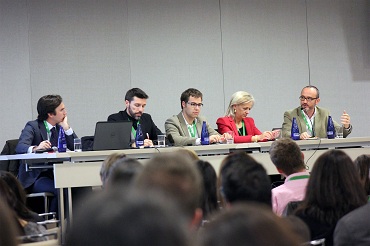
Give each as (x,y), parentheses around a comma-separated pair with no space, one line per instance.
(234,110)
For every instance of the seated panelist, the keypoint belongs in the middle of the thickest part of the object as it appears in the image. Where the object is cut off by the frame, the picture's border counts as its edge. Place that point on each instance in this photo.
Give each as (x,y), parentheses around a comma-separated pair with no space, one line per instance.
(236,120)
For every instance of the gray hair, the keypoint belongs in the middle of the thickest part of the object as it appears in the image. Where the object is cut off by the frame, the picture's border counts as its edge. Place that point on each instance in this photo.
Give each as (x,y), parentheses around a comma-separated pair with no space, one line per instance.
(237,98)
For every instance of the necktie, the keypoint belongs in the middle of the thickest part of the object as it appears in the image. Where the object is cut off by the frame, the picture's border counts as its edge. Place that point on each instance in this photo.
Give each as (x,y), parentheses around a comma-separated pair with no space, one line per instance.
(54,137)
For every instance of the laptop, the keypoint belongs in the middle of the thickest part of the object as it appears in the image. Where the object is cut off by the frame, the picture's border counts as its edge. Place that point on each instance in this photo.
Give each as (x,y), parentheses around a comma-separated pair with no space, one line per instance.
(112,135)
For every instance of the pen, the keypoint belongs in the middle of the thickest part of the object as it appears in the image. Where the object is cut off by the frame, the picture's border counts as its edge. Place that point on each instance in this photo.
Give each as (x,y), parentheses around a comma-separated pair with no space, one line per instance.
(147,134)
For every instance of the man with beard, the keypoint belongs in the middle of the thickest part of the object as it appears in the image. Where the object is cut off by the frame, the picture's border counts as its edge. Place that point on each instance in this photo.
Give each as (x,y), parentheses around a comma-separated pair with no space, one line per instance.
(135,101)
(185,128)
(312,120)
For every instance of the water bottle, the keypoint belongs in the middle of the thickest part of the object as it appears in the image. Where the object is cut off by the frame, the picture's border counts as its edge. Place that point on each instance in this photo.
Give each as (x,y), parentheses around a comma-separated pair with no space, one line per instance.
(204,136)
(294,134)
(330,130)
(62,142)
(139,139)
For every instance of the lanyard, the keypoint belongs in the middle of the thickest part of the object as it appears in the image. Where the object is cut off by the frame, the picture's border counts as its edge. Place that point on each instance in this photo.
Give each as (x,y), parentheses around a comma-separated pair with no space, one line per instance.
(192,129)
(243,128)
(307,124)
(299,177)
(47,130)
(133,129)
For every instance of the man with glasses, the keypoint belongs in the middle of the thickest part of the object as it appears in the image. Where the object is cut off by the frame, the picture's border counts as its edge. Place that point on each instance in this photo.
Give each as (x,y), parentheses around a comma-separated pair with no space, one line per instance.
(135,101)
(312,120)
(185,128)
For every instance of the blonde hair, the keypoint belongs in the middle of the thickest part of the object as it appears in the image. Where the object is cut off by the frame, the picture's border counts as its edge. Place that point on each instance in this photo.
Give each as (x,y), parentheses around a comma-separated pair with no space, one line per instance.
(237,98)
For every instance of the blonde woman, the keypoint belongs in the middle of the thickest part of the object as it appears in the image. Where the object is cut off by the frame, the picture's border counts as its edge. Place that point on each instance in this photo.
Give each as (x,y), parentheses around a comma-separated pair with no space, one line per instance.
(236,120)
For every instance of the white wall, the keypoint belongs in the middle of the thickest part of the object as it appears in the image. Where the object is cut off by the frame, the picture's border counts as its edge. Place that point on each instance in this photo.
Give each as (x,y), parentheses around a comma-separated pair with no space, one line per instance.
(92,52)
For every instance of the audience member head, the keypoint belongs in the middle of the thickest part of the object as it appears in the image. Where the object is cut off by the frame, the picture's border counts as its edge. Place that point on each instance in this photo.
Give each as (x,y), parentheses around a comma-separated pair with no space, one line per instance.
(362,164)
(8,228)
(123,171)
(209,202)
(191,92)
(238,98)
(247,224)
(178,178)
(12,192)
(107,164)
(128,217)
(47,105)
(334,188)
(188,153)
(287,156)
(244,179)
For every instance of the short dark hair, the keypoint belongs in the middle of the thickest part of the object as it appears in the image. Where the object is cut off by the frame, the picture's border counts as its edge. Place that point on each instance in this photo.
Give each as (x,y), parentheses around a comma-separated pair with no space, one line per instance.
(286,156)
(135,92)
(47,104)
(247,224)
(313,87)
(123,171)
(188,93)
(244,179)
(177,176)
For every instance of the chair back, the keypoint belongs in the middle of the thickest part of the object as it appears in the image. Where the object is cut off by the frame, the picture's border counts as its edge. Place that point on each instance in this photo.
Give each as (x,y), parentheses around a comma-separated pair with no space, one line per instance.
(10,165)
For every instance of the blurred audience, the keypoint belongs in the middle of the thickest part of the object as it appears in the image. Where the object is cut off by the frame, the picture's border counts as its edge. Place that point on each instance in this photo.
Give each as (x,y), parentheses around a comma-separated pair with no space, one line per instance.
(179,179)
(22,219)
(128,217)
(107,164)
(123,171)
(247,224)
(362,164)
(334,189)
(8,228)
(209,202)
(244,179)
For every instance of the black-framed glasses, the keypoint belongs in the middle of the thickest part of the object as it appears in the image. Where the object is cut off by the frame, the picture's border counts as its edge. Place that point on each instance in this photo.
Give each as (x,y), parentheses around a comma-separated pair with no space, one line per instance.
(309,99)
(194,105)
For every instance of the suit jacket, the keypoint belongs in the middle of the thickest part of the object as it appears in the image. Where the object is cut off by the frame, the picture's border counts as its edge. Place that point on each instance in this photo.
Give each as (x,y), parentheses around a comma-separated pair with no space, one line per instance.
(353,228)
(320,123)
(147,124)
(225,124)
(177,131)
(33,134)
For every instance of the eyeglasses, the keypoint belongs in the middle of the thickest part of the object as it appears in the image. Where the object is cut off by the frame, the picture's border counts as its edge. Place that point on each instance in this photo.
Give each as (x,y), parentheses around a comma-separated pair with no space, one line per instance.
(309,99)
(194,105)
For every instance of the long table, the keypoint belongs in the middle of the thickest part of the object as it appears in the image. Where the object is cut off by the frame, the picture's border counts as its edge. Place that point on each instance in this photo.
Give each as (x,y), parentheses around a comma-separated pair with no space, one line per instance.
(80,169)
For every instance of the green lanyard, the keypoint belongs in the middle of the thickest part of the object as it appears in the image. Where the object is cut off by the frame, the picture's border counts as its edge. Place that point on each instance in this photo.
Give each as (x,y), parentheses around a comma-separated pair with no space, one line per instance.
(299,177)
(192,129)
(243,127)
(133,129)
(47,130)
(305,120)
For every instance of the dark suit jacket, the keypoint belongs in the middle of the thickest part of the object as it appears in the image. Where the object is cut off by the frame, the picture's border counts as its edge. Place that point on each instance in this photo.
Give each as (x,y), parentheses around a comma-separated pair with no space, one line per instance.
(147,124)
(353,228)
(226,124)
(33,134)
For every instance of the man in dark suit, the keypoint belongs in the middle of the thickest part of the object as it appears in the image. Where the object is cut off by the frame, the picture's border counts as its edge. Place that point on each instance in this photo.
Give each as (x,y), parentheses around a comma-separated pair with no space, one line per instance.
(135,101)
(43,134)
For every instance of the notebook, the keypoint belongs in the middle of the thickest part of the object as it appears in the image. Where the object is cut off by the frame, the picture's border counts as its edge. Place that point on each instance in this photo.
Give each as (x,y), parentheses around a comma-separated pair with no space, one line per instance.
(112,135)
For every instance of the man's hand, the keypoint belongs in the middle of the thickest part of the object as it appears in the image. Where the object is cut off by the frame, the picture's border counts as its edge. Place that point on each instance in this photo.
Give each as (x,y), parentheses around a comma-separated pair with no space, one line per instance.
(64,124)
(345,119)
(304,135)
(214,139)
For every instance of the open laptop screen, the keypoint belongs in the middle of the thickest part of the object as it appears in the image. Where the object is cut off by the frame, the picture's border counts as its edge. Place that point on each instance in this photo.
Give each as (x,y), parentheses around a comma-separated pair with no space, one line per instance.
(112,135)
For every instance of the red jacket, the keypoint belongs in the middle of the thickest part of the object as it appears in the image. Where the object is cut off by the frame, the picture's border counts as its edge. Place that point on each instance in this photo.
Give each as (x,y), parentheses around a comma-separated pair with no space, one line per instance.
(226,124)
